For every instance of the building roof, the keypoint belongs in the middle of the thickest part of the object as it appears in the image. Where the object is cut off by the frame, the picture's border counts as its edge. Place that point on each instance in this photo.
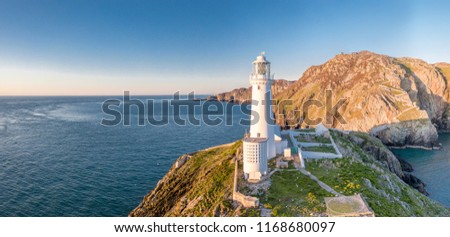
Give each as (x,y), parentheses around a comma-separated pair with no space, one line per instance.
(320,127)
(255,139)
(261,59)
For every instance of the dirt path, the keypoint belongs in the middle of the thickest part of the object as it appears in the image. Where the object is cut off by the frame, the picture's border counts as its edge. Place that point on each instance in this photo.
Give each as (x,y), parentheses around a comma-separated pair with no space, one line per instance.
(322,184)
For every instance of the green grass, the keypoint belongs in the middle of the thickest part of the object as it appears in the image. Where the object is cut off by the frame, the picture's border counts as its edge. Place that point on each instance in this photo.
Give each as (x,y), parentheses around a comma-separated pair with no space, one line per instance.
(294,194)
(357,151)
(203,187)
(205,181)
(325,149)
(306,130)
(251,212)
(213,183)
(313,138)
(343,174)
(350,176)
(291,164)
(347,177)
(272,163)
(369,138)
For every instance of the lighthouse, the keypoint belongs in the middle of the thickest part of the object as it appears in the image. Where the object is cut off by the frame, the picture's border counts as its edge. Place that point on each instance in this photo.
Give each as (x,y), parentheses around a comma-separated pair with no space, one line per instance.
(259,144)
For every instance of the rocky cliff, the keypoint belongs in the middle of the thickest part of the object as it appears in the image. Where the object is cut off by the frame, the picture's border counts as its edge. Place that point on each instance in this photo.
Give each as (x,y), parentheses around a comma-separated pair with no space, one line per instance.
(399,101)
(380,154)
(201,184)
(244,94)
(197,185)
(402,101)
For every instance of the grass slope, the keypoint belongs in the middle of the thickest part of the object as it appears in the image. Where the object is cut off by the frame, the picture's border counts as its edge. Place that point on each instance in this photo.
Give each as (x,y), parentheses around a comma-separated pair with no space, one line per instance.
(385,193)
(292,193)
(201,187)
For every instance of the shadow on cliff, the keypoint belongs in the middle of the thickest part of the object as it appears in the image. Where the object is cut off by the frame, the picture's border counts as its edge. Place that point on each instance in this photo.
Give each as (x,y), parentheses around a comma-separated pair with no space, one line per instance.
(419,133)
(381,153)
(415,133)
(428,101)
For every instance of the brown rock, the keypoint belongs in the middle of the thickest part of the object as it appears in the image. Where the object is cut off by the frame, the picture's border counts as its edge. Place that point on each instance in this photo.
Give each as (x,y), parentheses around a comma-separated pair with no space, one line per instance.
(403,101)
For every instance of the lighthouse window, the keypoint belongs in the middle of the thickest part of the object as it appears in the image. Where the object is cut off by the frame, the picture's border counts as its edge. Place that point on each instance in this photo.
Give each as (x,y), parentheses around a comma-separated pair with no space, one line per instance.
(259,87)
(261,68)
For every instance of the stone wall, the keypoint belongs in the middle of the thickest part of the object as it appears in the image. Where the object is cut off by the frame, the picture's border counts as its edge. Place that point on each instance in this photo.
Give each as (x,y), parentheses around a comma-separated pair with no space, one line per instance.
(246,201)
(348,206)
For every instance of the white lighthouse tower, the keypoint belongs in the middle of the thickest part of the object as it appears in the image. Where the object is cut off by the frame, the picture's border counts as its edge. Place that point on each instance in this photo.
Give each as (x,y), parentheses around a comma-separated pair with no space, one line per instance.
(259,145)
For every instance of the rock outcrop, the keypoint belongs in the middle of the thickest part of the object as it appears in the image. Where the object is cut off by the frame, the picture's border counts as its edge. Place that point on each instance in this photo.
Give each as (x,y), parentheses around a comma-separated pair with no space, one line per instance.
(402,101)
(398,101)
(407,167)
(382,154)
(203,185)
(242,95)
(415,182)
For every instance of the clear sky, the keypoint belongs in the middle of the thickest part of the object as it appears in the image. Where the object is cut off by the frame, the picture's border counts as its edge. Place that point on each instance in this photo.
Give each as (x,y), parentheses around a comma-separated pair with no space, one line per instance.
(159,47)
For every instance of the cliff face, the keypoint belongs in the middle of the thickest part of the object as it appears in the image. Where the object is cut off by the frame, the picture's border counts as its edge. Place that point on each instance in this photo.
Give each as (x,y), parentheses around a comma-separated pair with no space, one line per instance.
(403,101)
(381,154)
(197,185)
(370,168)
(244,94)
(202,184)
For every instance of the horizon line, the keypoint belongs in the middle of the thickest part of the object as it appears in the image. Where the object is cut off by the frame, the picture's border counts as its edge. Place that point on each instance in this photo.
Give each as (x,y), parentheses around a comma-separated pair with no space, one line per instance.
(96,95)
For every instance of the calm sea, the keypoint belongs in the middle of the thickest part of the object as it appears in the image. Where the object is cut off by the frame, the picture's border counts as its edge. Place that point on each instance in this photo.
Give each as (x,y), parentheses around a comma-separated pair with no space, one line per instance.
(432,167)
(56,159)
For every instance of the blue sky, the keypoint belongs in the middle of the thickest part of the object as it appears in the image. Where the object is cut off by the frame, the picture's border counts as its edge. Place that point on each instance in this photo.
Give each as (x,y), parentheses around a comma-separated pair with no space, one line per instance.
(159,47)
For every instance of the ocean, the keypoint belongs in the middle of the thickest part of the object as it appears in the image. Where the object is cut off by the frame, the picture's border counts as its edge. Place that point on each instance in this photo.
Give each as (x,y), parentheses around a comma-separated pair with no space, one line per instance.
(432,167)
(57,159)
